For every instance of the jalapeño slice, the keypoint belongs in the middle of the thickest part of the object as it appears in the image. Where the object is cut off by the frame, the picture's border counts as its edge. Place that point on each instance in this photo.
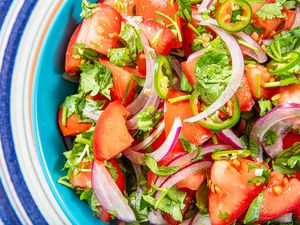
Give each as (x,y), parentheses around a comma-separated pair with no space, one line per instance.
(163,76)
(234,15)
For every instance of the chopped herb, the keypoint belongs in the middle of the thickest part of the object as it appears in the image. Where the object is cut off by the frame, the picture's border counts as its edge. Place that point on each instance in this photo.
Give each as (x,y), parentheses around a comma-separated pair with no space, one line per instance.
(163,171)
(95,78)
(146,120)
(264,106)
(270,11)
(254,209)
(112,170)
(184,84)
(179,99)
(270,137)
(88,9)
(288,161)
(187,145)
(89,196)
(223,215)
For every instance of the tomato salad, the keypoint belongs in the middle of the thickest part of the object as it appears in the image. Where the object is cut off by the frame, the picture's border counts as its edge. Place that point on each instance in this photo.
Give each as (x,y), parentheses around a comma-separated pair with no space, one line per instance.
(186,111)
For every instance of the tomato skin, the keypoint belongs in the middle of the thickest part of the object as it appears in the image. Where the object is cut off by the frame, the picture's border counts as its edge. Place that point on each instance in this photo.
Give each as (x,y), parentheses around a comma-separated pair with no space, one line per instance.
(166,40)
(71,64)
(289,94)
(275,205)
(289,139)
(188,68)
(190,195)
(193,182)
(120,180)
(147,8)
(296,212)
(270,26)
(73,126)
(254,71)
(188,39)
(127,9)
(82,179)
(194,133)
(121,78)
(231,192)
(111,135)
(244,96)
(100,31)
(141,63)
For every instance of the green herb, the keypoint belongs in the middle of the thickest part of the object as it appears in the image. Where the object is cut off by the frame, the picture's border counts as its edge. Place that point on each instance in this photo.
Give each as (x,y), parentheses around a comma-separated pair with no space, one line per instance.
(126,56)
(270,137)
(146,120)
(179,98)
(184,84)
(163,171)
(139,205)
(288,161)
(95,78)
(90,198)
(223,215)
(254,209)
(251,29)
(213,71)
(270,11)
(187,145)
(112,170)
(82,52)
(88,9)
(138,80)
(185,9)
(254,148)
(171,201)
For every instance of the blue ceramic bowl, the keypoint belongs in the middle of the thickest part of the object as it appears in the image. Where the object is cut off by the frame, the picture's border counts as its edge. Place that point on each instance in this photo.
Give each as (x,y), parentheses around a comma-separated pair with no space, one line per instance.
(48,92)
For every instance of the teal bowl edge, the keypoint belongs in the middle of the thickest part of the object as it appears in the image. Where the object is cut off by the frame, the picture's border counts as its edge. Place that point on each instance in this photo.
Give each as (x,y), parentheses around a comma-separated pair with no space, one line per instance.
(49,90)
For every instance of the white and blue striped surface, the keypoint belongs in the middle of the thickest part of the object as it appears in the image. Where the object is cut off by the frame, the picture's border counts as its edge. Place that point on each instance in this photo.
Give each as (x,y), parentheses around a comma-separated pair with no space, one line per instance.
(25,197)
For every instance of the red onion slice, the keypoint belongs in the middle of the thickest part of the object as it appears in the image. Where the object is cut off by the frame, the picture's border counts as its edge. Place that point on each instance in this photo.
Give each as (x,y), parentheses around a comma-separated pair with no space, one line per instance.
(108,193)
(205,4)
(230,138)
(92,115)
(186,158)
(288,114)
(163,150)
(297,18)
(183,173)
(156,218)
(149,139)
(260,56)
(286,218)
(200,219)
(237,72)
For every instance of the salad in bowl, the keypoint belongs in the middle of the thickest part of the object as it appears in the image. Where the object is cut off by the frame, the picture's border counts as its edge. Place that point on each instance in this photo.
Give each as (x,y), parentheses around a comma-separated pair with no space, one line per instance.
(186,111)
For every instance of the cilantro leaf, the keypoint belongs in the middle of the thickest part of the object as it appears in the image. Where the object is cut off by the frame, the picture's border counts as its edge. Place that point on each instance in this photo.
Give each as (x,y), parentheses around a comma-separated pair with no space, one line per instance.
(270,137)
(89,196)
(72,103)
(95,78)
(288,161)
(188,146)
(85,53)
(126,56)
(223,215)
(264,106)
(112,170)
(139,205)
(270,11)
(163,171)
(254,209)
(184,84)
(185,9)
(88,9)
(146,120)
(213,71)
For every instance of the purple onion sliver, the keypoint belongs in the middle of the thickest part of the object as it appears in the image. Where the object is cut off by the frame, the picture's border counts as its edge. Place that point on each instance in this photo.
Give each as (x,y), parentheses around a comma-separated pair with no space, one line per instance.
(231,139)
(156,218)
(297,17)
(200,219)
(108,193)
(286,218)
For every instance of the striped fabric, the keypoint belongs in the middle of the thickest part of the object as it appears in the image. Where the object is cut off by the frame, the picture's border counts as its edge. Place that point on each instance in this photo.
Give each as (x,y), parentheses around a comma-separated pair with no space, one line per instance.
(25,197)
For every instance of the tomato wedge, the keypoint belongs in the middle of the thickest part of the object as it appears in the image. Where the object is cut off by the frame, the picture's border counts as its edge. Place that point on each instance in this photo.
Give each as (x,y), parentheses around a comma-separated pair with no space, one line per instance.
(230,195)
(160,38)
(73,125)
(123,83)
(125,8)
(281,196)
(257,75)
(100,31)
(111,136)
(244,96)
(288,94)
(194,133)
(82,179)
(71,63)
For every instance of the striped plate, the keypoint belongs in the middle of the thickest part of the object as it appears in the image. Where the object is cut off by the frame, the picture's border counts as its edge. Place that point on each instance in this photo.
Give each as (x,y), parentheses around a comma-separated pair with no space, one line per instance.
(27,193)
